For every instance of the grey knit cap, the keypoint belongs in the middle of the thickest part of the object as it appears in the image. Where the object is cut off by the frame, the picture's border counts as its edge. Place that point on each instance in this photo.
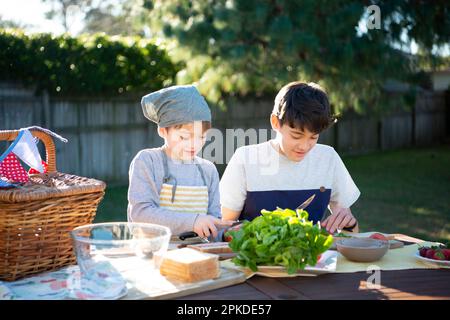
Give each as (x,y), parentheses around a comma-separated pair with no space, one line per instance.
(175,105)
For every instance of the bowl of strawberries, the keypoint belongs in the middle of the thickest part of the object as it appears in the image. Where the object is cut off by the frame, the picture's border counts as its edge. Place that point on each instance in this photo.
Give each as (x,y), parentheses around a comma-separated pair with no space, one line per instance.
(438,255)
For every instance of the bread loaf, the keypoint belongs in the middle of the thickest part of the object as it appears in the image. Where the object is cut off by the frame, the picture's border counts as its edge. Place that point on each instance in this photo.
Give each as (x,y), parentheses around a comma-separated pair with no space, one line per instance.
(189,265)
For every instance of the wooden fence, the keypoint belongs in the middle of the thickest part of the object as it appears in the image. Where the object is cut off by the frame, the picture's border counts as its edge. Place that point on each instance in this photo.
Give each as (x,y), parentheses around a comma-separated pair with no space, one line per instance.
(105,134)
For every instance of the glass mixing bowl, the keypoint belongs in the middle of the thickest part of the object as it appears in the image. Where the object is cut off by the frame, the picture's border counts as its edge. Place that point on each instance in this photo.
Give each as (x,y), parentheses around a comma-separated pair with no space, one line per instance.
(126,247)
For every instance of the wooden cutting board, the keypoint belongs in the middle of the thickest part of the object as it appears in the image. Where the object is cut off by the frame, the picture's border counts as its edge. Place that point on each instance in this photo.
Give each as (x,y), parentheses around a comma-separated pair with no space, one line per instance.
(154,286)
(395,244)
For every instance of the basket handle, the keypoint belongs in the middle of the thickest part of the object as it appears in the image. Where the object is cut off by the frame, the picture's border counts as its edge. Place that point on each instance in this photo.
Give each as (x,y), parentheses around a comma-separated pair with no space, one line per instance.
(47,140)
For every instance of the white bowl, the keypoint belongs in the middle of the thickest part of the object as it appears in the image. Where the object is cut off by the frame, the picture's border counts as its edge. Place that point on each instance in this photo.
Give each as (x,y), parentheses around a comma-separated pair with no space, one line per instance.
(362,249)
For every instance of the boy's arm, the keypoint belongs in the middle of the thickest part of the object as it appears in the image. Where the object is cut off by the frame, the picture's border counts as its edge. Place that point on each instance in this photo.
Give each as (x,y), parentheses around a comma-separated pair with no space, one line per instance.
(213,194)
(214,203)
(228,214)
(344,194)
(233,187)
(143,201)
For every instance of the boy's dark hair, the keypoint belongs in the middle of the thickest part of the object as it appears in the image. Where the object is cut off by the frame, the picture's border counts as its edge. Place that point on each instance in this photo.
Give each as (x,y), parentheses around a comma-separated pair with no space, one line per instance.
(303,105)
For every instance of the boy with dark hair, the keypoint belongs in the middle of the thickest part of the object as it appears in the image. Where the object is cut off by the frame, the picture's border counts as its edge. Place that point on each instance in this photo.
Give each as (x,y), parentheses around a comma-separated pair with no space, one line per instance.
(289,169)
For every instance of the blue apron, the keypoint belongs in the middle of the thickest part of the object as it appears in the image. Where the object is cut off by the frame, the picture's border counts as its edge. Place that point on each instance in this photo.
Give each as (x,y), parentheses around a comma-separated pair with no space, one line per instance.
(287,199)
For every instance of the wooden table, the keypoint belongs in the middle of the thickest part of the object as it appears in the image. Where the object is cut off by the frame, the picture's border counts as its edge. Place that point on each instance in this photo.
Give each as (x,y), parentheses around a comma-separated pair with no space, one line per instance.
(400,284)
(404,284)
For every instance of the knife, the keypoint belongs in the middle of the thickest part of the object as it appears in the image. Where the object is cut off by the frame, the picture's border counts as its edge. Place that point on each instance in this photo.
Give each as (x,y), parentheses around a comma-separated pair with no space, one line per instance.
(234,224)
(306,203)
(191,234)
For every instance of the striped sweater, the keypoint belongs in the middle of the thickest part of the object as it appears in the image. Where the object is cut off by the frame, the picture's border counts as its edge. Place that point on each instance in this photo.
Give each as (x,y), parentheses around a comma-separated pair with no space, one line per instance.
(145,183)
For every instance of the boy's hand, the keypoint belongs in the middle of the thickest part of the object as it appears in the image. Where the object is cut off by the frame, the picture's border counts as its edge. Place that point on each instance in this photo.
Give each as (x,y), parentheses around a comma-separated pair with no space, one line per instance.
(339,220)
(206,225)
(228,238)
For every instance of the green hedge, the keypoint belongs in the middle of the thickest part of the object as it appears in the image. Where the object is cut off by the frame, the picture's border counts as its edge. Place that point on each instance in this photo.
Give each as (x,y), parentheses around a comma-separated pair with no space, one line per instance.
(87,65)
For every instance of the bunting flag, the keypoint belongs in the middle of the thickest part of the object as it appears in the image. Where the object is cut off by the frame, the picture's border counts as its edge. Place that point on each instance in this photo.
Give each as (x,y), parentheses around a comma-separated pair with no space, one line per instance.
(4,183)
(34,171)
(23,147)
(11,169)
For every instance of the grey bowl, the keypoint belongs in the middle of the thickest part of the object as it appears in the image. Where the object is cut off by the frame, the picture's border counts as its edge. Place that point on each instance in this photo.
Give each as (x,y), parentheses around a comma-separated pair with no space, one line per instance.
(362,249)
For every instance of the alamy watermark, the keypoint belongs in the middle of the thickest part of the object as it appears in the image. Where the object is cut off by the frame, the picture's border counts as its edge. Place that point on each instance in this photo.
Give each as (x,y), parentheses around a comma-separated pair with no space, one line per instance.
(221,146)
(373,17)
(374,280)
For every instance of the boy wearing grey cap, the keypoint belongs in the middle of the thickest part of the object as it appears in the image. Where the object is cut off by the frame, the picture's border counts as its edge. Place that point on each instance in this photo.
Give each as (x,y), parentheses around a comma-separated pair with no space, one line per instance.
(170,185)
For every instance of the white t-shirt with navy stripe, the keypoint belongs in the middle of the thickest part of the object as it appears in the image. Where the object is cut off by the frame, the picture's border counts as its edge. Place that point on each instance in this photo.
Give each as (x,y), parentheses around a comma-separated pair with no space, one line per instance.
(260,172)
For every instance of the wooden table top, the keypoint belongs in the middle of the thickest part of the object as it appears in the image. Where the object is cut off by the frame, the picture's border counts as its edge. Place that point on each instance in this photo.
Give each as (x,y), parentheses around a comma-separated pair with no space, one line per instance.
(413,284)
(403,284)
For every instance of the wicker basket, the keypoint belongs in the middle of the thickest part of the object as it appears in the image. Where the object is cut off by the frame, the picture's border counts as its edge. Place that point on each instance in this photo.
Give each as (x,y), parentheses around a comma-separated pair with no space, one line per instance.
(36,219)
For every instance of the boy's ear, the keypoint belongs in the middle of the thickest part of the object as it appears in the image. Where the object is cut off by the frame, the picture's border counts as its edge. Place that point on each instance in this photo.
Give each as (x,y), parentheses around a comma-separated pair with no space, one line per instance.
(275,122)
(162,132)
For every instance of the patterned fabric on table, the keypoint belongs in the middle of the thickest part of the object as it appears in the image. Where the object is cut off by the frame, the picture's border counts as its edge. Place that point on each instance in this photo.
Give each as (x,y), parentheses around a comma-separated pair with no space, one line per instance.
(67,283)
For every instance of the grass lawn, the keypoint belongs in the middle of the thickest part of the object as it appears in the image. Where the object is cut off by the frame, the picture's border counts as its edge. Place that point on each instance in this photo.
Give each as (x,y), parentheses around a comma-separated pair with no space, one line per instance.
(404,191)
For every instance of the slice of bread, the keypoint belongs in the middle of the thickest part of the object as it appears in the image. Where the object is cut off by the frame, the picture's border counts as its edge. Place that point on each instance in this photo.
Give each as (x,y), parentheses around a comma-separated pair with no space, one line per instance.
(189,265)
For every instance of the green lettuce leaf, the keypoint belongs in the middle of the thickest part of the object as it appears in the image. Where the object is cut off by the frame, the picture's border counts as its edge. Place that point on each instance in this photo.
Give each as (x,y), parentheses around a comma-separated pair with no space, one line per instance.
(282,237)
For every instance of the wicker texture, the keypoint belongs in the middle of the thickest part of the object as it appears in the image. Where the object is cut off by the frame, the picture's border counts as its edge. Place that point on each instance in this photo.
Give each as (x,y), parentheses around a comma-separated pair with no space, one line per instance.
(36,219)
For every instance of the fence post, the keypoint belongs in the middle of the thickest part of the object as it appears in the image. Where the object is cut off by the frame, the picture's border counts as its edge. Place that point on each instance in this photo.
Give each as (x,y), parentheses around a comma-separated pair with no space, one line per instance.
(336,136)
(47,110)
(379,134)
(447,111)
(81,169)
(413,124)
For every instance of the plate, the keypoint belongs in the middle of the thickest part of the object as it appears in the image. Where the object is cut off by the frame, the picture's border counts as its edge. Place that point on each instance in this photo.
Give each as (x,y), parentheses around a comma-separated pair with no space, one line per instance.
(438,263)
(326,264)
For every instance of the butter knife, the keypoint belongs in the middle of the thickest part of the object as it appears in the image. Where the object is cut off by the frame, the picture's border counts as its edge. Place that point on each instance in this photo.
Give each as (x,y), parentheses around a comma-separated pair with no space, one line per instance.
(306,203)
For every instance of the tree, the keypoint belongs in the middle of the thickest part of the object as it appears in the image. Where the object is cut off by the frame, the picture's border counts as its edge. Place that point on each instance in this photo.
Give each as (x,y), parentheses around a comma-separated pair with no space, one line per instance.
(112,17)
(256,46)
(12,24)
(65,9)
(123,17)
